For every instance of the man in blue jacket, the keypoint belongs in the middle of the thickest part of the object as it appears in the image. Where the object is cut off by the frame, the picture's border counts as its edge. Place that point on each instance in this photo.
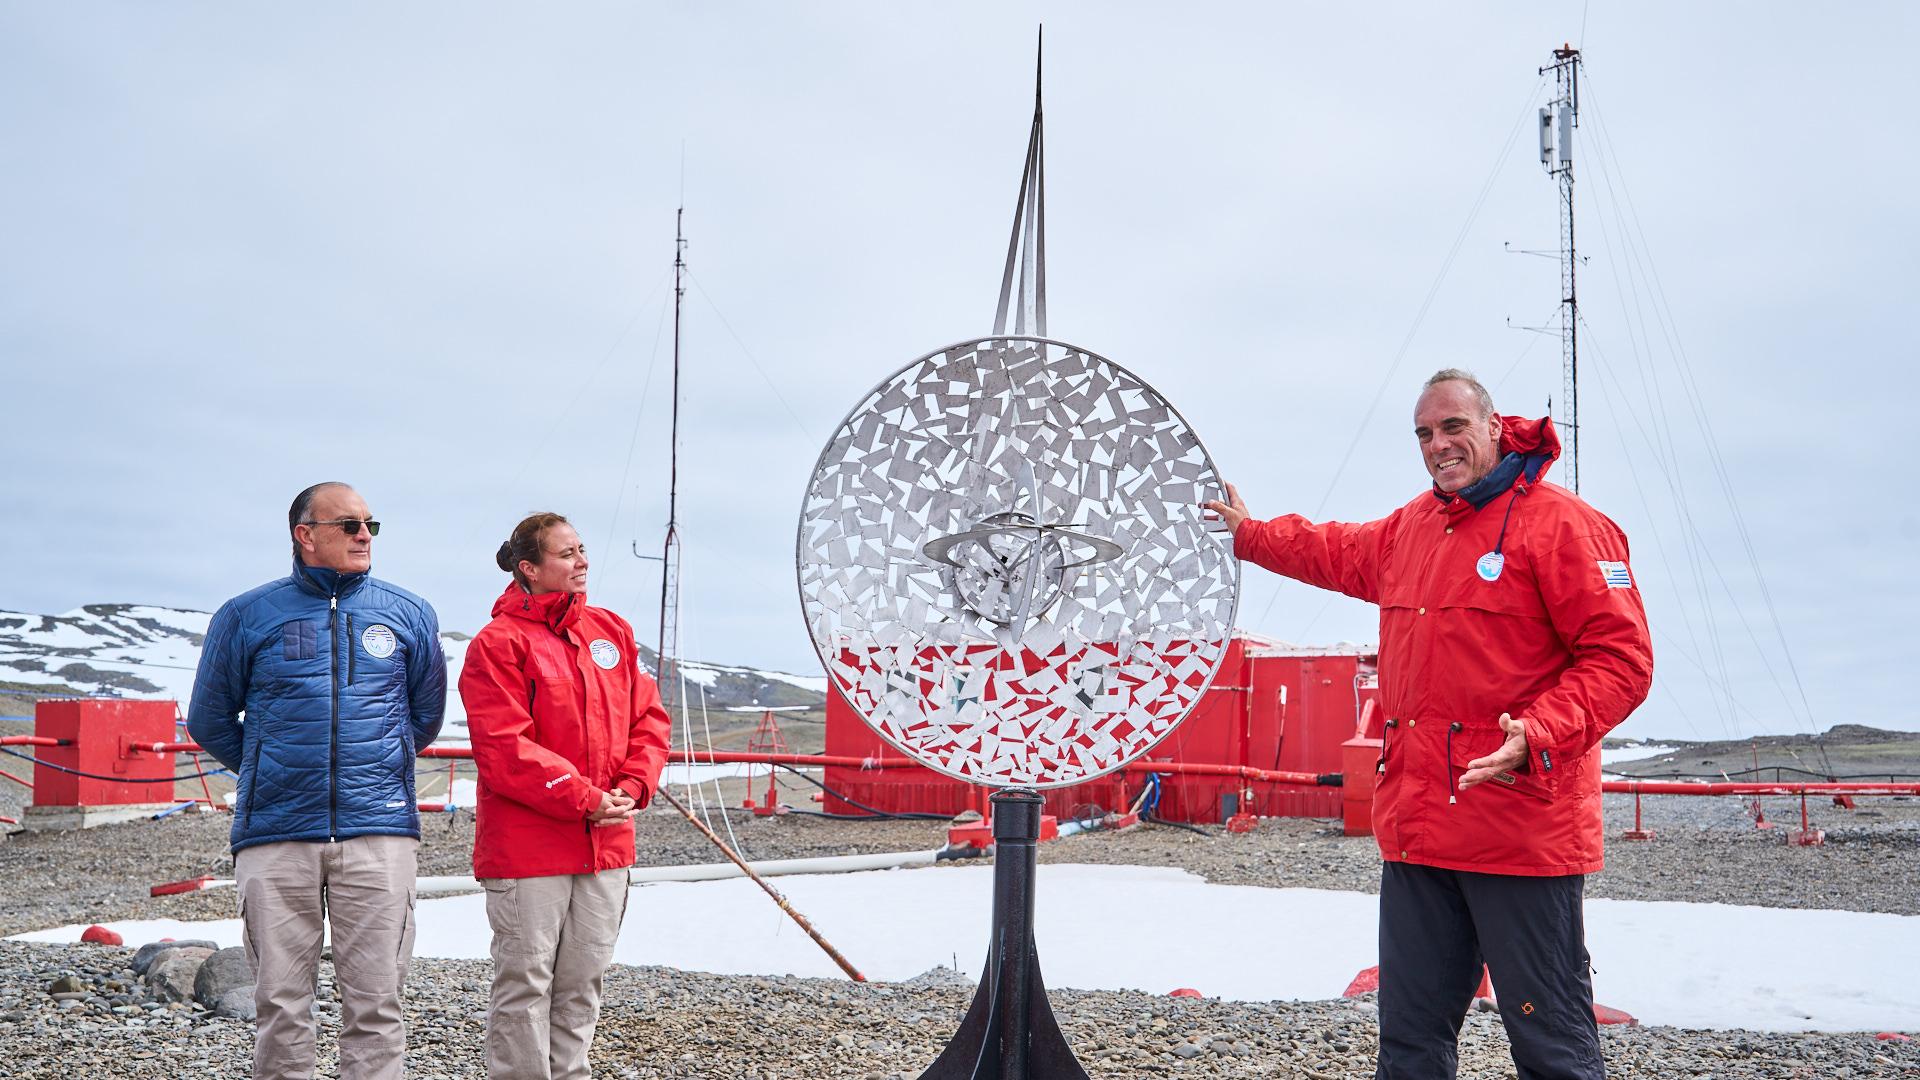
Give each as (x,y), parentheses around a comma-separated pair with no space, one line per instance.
(341,681)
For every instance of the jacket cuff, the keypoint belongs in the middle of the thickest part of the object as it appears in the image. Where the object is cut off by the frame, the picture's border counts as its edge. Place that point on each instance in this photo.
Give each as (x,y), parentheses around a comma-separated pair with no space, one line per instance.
(1543,753)
(636,788)
(1243,538)
(592,799)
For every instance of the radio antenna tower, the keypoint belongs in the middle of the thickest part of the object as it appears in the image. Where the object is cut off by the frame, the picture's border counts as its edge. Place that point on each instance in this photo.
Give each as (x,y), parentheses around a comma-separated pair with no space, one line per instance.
(666,659)
(1557,123)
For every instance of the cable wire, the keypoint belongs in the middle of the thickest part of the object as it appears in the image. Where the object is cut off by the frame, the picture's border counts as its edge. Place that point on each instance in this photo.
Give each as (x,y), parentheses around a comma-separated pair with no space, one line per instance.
(38,764)
(1420,317)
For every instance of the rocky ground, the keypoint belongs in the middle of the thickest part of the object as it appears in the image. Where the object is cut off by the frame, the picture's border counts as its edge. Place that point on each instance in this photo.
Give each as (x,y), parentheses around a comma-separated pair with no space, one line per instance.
(666,1023)
(659,1022)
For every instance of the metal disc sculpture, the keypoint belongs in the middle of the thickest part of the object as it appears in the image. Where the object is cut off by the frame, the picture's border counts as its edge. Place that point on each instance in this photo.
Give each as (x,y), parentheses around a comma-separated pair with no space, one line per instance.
(1004,568)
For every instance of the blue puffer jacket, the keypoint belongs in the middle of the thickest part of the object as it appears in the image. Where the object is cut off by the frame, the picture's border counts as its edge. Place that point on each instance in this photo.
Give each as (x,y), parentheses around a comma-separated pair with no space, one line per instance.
(342,681)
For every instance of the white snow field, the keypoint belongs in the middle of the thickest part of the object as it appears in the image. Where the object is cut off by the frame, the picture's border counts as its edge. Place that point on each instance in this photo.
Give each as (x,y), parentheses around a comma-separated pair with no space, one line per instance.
(1127,927)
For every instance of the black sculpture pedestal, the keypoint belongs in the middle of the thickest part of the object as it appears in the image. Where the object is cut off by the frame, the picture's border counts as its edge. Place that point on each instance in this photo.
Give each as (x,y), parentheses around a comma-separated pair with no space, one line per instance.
(1009,1032)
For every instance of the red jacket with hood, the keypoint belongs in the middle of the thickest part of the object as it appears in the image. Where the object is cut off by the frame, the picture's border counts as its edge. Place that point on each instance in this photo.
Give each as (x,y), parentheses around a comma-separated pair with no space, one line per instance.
(1553,632)
(559,713)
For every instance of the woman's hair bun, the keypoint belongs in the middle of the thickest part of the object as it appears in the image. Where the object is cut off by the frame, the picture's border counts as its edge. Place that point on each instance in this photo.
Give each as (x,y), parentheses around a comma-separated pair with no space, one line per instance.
(524,543)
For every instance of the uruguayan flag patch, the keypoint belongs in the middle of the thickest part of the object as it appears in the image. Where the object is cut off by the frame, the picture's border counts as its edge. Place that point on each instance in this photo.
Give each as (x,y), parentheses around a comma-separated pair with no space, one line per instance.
(1615,575)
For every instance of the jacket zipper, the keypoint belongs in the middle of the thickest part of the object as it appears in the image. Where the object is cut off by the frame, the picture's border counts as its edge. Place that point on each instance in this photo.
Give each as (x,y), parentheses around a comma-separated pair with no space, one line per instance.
(351,655)
(333,735)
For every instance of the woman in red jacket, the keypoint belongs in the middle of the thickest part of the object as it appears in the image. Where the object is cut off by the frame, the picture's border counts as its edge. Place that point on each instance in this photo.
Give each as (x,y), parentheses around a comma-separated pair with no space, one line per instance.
(569,739)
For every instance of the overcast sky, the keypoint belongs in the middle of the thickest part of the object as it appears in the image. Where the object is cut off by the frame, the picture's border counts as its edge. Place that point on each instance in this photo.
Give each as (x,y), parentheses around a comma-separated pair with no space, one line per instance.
(425,248)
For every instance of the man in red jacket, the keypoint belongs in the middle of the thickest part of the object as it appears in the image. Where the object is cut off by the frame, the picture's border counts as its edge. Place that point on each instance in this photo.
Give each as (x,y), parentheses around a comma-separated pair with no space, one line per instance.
(1512,639)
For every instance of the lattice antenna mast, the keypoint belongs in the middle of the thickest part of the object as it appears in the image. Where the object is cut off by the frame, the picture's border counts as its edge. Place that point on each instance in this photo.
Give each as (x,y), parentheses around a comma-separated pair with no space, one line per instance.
(667,657)
(1557,124)
(1027,247)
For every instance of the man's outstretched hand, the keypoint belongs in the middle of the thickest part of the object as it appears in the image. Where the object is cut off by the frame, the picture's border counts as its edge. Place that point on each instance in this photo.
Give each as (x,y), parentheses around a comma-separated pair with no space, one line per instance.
(1511,755)
(1225,516)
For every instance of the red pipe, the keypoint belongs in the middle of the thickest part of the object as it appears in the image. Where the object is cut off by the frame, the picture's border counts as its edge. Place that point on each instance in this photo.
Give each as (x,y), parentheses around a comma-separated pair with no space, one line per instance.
(1244,772)
(29,740)
(1183,768)
(734,757)
(9,821)
(23,783)
(678,757)
(1658,787)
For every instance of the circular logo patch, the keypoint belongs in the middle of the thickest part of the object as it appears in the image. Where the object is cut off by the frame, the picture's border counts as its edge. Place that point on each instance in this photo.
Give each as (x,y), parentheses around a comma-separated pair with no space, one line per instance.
(379,641)
(605,653)
(1490,565)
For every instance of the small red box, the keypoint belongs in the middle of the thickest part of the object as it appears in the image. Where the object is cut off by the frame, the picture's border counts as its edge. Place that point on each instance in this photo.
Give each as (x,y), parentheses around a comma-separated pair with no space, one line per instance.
(98,732)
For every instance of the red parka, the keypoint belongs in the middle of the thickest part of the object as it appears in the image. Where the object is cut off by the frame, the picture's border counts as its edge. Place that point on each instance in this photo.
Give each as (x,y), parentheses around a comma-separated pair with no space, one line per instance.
(1556,635)
(559,713)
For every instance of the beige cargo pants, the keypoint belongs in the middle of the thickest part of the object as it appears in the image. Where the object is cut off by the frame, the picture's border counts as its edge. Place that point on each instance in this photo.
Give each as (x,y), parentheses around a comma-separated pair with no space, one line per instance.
(553,938)
(288,892)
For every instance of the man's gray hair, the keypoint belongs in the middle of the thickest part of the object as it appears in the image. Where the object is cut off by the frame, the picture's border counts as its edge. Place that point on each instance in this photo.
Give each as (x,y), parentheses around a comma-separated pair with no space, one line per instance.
(1454,374)
(303,504)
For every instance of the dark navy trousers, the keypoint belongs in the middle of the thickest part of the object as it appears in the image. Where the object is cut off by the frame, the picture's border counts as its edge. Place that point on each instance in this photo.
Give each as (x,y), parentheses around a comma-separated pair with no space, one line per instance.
(1438,926)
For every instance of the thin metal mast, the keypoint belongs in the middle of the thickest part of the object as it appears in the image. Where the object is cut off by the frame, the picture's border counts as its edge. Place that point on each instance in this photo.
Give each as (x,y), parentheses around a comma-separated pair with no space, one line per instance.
(1027,247)
(667,656)
(1557,124)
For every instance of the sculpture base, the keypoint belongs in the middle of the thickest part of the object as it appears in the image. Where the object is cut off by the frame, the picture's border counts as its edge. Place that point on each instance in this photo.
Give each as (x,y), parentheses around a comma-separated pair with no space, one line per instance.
(1009,1032)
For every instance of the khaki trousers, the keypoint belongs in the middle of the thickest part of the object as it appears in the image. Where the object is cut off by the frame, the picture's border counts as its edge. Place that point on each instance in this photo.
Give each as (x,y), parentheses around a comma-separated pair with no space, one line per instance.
(553,938)
(288,892)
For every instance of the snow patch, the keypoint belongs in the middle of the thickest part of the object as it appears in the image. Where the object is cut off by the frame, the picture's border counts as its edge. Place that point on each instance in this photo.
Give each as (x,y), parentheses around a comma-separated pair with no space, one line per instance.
(1689,965)
(1610,755)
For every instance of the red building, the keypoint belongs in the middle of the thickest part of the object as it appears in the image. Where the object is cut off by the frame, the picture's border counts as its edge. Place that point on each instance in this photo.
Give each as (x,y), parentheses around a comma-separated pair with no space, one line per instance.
(1272,706)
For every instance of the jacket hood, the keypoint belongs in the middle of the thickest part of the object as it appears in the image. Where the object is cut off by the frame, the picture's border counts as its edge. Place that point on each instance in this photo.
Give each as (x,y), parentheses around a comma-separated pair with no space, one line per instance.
(556,610)
(325,581)
(1530,438)
(1526,447)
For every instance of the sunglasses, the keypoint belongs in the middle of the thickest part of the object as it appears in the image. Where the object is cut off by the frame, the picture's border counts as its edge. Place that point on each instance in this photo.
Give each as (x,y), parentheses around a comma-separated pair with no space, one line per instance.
(351,526)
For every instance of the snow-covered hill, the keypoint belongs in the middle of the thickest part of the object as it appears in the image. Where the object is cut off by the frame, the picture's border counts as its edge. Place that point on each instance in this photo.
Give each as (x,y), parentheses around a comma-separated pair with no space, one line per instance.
(135,651)
(112,650)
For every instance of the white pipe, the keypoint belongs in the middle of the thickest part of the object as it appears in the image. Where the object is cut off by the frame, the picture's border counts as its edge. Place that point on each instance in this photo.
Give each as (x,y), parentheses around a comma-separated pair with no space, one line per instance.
(831,864)
(649,875)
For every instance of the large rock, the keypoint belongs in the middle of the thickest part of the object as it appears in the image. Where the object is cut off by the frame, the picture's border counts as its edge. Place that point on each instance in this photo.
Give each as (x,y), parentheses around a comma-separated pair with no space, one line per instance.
(171,977)
(236,1003)
(224,971)
(144,957)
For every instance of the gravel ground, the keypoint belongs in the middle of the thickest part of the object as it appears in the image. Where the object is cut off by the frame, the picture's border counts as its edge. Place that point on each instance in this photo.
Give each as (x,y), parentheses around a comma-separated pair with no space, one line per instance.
(665,1023)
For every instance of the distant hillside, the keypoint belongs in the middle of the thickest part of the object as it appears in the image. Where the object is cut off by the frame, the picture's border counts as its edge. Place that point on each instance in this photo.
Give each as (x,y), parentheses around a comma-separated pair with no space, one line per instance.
(1844,750)
(136,651)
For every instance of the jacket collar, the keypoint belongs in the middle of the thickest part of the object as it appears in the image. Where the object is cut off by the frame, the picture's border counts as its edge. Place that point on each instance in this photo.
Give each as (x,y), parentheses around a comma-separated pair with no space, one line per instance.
(556,610)
(1528,447)
(326,582)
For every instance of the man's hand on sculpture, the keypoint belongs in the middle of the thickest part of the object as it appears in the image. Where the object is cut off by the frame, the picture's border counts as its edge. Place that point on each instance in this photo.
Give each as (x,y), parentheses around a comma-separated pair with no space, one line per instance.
(1511,755)
(1225,517)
